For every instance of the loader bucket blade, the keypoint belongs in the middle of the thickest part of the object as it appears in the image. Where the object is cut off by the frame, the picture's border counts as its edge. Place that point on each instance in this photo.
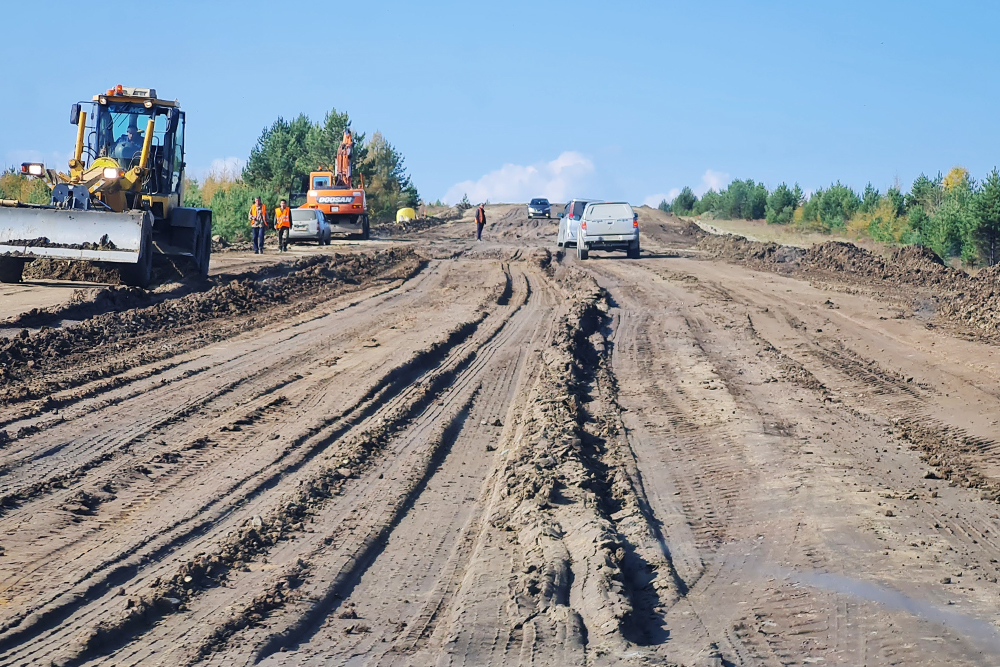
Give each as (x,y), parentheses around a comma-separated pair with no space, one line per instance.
(54,233)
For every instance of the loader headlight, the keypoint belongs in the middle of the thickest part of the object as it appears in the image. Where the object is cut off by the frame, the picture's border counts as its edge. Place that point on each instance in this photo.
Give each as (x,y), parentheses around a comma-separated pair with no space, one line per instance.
(32,169)
(110,173)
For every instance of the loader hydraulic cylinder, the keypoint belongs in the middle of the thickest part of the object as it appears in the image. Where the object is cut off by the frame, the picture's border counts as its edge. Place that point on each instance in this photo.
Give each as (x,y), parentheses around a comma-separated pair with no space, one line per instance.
(146,142)
(81,128)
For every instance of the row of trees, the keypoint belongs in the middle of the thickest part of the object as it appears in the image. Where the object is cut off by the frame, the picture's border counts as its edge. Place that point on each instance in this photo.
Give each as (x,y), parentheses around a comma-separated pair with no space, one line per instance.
(278,168)
(954,215)
(15,186)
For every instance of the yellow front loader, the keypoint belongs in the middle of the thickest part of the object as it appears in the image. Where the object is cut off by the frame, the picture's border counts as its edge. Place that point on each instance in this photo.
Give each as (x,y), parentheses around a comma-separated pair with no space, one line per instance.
(121,200)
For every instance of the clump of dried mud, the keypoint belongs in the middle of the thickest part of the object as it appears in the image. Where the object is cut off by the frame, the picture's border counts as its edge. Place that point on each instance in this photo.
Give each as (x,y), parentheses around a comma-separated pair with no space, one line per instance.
(951,452)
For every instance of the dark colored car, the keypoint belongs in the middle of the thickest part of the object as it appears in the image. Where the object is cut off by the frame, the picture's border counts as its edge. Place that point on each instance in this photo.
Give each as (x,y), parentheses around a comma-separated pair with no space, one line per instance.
(539,208)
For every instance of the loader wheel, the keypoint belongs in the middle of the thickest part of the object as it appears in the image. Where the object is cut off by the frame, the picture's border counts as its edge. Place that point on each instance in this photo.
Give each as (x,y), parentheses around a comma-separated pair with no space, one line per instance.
(366,232)
(205,247)
(140,274)
(11,269)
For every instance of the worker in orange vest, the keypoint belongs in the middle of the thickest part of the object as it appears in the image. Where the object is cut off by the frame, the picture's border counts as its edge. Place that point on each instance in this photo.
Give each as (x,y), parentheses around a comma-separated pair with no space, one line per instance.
(258,224)
(480,222)
(283,223)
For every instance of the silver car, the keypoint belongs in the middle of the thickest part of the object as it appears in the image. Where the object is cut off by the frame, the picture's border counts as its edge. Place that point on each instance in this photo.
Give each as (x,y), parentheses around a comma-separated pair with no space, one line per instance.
(569,222)
(309,224)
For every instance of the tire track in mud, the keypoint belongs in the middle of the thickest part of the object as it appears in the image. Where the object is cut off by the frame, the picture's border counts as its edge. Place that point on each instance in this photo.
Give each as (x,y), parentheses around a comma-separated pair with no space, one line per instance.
(397,378)
(435,570)
(232,373)
(719,331)
(572,595)
(306,623)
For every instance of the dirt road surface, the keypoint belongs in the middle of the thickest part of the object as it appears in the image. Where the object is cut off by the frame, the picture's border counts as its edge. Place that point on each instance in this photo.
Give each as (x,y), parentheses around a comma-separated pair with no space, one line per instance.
(425,450)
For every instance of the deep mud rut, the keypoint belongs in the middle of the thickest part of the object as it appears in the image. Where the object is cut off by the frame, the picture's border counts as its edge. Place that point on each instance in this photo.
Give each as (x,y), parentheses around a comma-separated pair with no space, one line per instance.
(434,452)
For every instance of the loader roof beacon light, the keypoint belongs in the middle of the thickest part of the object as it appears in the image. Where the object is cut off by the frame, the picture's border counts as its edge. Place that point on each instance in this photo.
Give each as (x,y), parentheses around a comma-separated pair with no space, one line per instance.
(121,199)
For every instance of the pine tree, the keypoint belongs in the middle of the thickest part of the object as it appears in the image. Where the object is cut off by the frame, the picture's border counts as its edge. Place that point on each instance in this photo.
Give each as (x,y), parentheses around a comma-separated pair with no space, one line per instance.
(987,213)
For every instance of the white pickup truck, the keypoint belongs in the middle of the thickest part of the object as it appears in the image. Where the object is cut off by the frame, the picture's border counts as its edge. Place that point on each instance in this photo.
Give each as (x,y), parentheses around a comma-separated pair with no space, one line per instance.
(608,226)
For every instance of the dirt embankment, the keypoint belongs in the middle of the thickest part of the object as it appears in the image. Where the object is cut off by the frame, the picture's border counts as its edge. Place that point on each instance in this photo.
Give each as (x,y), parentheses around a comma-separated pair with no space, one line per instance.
(973,301)
(130,337)
(395,229)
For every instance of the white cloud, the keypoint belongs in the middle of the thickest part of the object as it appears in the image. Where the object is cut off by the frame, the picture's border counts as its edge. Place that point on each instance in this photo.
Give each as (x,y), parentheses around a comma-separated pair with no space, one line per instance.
(557,180)
(654,200)
(222,167)
(713,180)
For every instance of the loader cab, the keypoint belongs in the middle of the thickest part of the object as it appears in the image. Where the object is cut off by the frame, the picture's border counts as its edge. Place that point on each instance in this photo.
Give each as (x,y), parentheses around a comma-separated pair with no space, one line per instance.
(119,130)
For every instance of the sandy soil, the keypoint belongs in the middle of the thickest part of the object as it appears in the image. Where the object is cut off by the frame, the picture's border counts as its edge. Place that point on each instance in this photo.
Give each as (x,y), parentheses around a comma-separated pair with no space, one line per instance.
(425,450)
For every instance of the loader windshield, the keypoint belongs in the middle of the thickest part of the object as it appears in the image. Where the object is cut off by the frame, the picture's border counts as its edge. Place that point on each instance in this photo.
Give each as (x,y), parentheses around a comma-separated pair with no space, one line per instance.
(121,129)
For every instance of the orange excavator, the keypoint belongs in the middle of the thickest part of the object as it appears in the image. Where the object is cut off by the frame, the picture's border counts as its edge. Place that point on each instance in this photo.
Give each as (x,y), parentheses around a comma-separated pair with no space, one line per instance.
(335,193)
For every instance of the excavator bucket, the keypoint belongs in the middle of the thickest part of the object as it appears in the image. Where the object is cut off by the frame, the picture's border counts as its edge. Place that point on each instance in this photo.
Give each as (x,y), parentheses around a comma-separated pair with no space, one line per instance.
(53,233)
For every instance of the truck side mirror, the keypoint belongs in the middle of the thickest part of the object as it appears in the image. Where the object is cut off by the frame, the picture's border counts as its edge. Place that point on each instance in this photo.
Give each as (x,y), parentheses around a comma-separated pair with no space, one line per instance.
(74,114)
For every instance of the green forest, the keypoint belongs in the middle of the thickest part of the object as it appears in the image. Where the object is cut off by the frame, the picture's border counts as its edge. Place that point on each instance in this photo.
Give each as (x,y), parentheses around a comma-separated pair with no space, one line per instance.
(277,168)
(279,164)
(952,214)
(15,186)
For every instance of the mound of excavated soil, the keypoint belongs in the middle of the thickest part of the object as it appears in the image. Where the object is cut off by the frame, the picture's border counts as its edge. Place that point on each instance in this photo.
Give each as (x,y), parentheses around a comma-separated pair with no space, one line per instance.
(990,274)
(84,303)
(307,281)
(61,269)
(912,265)
(973,301)
(391,229)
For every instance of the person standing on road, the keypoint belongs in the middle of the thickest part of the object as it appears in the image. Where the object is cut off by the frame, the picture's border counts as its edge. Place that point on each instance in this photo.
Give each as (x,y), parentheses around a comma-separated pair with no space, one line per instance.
(480,222)
(258,224)
(283,223)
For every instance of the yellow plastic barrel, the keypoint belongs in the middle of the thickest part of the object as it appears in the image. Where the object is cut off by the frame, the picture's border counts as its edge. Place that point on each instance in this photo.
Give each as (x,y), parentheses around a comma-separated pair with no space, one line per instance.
(404,214)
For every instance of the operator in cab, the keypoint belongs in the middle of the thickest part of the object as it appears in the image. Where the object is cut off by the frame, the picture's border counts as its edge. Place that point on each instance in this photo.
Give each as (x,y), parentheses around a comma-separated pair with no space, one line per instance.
(129,145)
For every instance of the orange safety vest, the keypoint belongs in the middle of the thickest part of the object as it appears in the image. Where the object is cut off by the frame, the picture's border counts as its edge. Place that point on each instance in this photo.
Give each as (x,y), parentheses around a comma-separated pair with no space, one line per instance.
(254,212)
(282,219)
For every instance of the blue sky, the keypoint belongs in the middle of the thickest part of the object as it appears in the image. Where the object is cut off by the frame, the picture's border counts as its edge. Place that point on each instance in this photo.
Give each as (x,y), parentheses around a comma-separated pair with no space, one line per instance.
(517,99)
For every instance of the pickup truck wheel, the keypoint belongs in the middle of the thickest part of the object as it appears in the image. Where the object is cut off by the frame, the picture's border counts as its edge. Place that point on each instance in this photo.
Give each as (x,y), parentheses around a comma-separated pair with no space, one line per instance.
(581,251)
(633,250)
(11,269)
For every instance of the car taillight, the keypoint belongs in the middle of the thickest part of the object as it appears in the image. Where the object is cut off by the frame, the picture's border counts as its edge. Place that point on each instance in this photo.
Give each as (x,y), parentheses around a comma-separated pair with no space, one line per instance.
(583,224)
(635,223)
